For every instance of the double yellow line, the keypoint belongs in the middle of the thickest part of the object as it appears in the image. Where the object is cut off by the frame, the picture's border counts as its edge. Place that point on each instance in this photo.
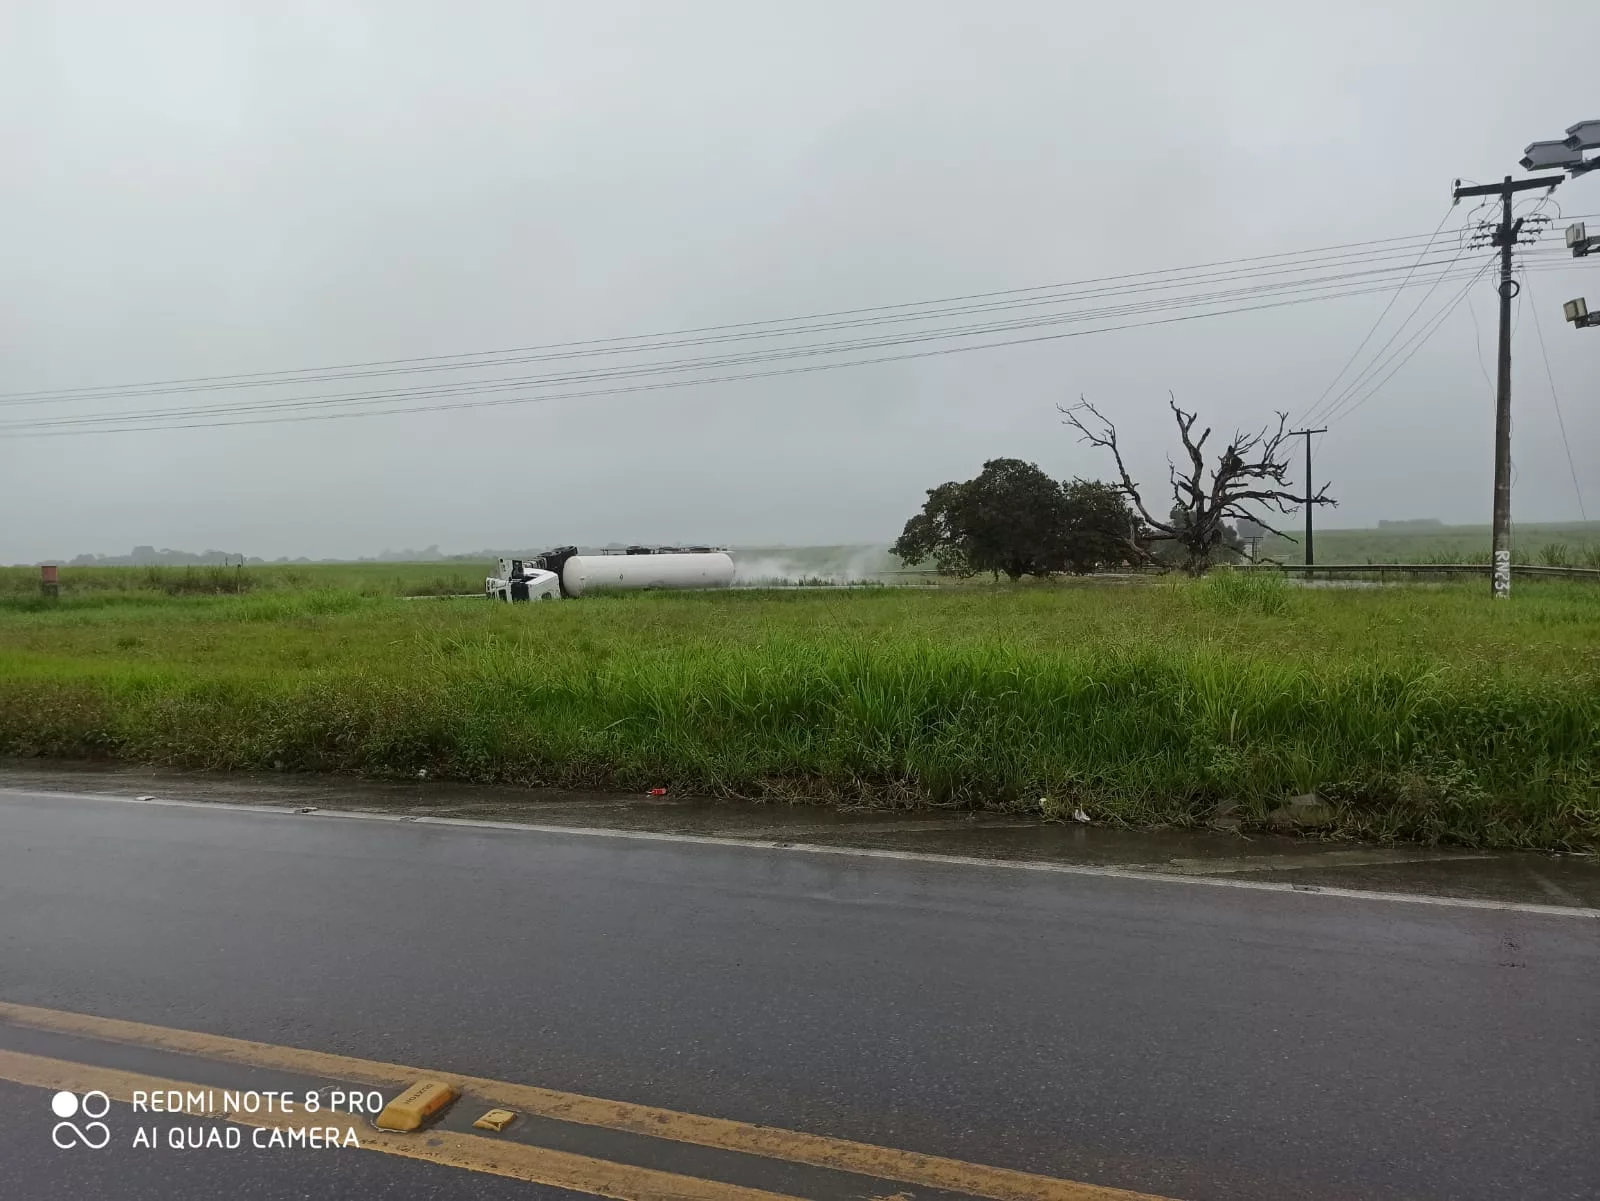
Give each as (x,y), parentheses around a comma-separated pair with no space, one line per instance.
(523,1161)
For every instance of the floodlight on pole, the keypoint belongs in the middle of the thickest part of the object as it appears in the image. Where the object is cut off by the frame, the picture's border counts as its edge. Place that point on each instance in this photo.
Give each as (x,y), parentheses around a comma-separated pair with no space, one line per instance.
(1577,312)
(1585,135)
(1565,154)
(1557,156)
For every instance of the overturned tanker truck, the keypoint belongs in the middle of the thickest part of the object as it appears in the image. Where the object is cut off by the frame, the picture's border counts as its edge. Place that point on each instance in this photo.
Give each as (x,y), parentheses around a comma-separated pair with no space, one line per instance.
(564,572)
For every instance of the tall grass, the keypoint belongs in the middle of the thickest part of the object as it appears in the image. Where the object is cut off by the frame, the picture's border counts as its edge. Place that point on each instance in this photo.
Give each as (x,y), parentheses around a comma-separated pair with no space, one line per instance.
(372,579)
(1228,591)
(1427,715)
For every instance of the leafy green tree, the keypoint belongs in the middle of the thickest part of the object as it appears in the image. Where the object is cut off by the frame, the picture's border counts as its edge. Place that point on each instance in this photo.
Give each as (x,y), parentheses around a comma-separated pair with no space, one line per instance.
(1014,519)
(1008,519)
(1101,528)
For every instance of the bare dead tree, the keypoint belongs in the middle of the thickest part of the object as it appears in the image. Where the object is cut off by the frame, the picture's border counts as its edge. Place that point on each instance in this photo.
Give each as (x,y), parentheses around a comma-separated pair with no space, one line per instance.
(1248,479)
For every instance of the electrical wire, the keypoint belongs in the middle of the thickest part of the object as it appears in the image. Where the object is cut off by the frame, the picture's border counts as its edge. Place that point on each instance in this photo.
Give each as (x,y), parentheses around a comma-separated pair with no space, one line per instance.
(700,363)
(1341,402)
(1316,275)
(1311,281)
(1325,409)
(651,387)
(1327,412)
(1318,288)
(479,388)
(1327,267)
(1374,327)
(1425,333)
(776,327)
(1556,401)
(1477,343)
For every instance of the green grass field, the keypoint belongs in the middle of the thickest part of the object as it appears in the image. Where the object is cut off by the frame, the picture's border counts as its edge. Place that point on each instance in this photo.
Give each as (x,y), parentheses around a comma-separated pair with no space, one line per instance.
(1426,713)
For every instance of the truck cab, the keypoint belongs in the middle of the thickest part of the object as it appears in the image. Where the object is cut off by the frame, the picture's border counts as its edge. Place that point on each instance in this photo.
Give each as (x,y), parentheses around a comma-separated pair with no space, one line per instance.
(519,580)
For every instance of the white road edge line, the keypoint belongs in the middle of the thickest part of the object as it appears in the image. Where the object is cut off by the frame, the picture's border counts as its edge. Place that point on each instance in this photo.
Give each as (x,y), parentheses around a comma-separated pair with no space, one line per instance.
(812,848)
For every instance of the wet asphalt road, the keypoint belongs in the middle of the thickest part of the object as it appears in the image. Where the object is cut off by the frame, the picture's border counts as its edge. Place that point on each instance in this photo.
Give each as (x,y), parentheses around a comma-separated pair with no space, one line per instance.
(1192,1041)
(1274,859)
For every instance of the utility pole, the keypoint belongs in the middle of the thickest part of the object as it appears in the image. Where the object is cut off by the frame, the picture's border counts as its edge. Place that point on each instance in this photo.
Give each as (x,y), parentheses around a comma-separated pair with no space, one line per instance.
(1311,556)
(1504,236)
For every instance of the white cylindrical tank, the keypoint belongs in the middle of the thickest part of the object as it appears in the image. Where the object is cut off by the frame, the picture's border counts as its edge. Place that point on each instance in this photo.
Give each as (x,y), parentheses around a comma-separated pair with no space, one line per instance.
(631,573)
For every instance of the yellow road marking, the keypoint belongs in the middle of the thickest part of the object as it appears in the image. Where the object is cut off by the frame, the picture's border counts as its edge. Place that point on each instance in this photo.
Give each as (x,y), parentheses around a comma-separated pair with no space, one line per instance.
(519,1161)
(770,1142)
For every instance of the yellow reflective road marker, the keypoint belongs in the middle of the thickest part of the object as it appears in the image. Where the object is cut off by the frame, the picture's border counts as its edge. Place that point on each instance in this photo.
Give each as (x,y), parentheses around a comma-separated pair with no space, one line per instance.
(769,1142)
(415,1106)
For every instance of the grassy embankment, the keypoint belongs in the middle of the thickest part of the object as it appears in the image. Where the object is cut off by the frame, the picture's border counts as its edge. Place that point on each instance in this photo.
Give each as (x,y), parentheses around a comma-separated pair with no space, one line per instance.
(1427,713)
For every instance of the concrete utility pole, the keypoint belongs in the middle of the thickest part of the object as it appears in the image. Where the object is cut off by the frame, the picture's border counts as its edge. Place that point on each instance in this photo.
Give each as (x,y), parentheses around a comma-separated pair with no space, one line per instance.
(1505,236)
(1311,555)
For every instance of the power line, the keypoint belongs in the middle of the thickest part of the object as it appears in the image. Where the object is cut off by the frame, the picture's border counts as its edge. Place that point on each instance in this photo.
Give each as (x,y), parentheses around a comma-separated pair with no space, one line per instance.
(1327,269)
(1341,404)
(652,387)
(1477,343)
(1424,333)
(25,430)
(1324,283)
(475,388)
(1374,329)
(1332,408)
(1351,389)
(1318,289)
(628,344)
(807,349)
(1556,400)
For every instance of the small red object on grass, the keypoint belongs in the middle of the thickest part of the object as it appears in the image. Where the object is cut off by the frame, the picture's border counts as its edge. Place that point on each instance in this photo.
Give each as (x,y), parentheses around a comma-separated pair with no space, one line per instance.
(658,792)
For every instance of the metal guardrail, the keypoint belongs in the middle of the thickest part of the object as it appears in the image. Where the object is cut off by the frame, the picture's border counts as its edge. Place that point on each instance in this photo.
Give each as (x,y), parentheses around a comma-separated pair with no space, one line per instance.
(1527,570)
(1533,570)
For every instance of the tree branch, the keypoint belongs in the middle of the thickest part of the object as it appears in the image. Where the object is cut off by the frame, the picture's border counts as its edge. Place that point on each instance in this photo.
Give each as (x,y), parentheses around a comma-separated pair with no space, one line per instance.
(1107,439)
(1250,474)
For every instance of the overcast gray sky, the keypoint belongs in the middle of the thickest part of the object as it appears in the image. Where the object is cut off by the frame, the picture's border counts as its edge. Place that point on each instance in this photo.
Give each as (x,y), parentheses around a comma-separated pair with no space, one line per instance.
(195,189)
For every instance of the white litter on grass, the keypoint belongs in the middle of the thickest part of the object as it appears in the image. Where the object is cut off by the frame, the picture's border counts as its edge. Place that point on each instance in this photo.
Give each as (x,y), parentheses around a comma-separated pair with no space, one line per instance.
(1078,815)
(144,798)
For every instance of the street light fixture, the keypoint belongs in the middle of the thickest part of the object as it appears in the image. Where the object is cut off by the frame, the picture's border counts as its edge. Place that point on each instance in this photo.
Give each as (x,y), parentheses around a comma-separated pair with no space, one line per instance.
(1553,155)
(1585,135)
(1566,154)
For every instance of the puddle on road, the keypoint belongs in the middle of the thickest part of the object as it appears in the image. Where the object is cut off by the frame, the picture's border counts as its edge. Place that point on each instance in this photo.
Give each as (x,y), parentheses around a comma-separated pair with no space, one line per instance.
(1566,880)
